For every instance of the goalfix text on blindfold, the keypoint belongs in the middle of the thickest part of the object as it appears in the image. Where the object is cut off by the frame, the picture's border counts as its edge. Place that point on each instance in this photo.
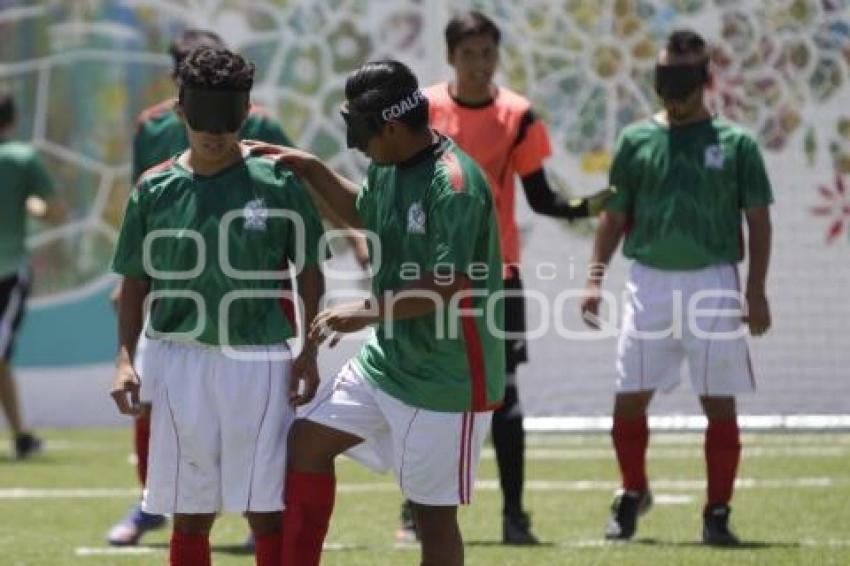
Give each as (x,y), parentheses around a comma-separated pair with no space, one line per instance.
(214,111)
(676,82)
(361,126)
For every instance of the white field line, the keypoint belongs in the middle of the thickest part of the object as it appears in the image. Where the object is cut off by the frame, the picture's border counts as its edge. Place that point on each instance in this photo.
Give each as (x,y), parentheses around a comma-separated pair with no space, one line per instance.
(24,493)
(683,453)
(84,551)
(568,453)
(693,422)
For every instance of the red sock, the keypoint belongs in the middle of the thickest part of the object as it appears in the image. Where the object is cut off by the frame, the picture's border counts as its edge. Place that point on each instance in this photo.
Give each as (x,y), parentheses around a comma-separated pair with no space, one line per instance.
(631,438)
(142,435)
(309,503)
(189,549)
(722,453)
(267,549)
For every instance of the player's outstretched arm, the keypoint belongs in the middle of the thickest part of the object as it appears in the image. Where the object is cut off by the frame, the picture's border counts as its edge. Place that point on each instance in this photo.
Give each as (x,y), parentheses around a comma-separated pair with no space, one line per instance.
(126,383)
(760,235)
(610,230)
(334,189)
(543,200)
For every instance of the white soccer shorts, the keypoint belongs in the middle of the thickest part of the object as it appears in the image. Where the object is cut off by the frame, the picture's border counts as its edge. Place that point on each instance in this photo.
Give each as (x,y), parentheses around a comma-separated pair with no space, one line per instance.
(673,316)
(434,454)
(219,428)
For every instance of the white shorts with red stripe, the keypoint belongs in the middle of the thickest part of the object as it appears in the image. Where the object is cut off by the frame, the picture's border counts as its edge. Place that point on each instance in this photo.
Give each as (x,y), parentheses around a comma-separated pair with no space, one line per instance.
(673,316)
(434,454)
(219,427)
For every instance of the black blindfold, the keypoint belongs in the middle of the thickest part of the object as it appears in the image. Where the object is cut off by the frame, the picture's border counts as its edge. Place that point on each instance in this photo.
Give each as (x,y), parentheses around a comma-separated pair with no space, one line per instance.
(676,82)
(214,111)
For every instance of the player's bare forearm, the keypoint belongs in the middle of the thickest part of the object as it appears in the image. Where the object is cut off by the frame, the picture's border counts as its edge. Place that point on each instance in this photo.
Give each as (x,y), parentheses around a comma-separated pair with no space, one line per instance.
(420,297)
(130,316)
(338,192)
(609,232)
(760,236)
(311,288)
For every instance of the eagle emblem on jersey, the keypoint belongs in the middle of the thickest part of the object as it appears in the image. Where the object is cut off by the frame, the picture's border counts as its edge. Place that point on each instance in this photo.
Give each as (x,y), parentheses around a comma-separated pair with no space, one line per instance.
(714,157)
(416,218)
(256,214)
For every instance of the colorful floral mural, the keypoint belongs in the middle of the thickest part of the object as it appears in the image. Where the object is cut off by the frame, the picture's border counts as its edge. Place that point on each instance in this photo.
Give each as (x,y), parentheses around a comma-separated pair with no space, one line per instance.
(82,69)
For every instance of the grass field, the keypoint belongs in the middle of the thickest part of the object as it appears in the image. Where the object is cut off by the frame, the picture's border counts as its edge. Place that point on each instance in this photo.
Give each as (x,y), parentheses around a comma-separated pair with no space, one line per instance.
(792,506)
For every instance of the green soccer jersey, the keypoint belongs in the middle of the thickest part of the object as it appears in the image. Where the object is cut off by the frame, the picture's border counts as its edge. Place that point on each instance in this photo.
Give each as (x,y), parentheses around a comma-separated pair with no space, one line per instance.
(23,175)
(435,214)
(204,240)
(684,189)
(160,134)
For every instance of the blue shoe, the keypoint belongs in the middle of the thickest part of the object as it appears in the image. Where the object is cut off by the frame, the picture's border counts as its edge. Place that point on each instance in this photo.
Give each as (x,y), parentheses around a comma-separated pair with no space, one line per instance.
(130,529)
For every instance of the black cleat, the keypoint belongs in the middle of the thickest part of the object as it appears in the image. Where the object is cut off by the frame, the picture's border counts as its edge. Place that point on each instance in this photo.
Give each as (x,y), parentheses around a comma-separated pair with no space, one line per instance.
(625,510)
(516,529)
(407,533)
(715,526)
(27,445)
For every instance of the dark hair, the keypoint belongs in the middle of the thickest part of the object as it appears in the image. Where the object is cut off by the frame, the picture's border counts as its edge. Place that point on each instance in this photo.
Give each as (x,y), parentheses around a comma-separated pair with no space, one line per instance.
(468,24)
(189,40)
(377,85)
(216,68)
(7,108)
(685,42)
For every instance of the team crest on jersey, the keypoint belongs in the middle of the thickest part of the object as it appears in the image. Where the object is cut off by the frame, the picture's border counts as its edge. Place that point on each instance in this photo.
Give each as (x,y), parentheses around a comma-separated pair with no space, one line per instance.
(714,157)
(416,219)
(255,213)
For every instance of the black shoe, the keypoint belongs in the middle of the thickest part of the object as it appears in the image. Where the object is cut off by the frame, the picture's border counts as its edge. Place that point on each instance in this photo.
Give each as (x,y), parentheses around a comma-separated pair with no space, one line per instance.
(715,526)
(27,445)
(625,509)
(407,533)
(516,529)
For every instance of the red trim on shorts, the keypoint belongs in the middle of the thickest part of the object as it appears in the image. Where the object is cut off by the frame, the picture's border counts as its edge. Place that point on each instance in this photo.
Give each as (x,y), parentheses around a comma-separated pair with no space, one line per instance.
(474,355)
(462,459)
(469,458)
(750,371)
(179,450)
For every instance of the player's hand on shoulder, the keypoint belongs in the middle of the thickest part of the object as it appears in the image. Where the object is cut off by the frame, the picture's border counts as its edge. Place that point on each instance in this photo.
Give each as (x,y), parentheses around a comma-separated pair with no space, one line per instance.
(757,314)
(126,386)
(301,162)
(305,376)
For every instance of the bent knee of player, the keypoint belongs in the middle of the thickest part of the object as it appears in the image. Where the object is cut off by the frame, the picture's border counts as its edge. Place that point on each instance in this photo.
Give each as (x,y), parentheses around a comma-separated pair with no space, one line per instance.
(436,521)
(313,447)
